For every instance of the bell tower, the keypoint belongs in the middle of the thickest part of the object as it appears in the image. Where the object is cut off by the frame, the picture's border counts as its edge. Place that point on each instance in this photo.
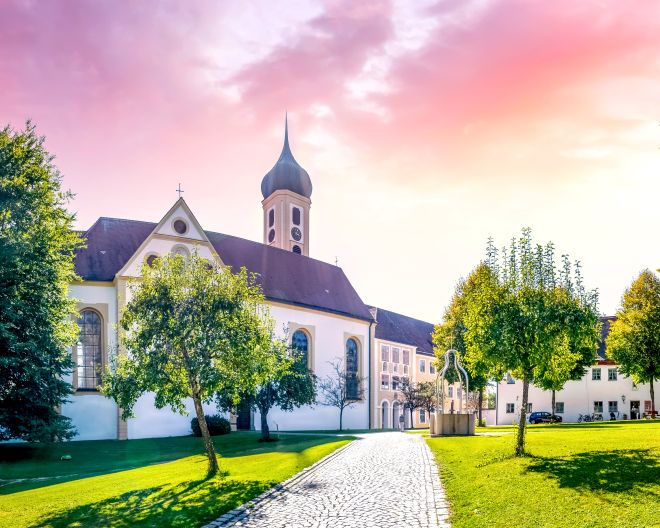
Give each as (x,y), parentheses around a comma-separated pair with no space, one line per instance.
(287,189)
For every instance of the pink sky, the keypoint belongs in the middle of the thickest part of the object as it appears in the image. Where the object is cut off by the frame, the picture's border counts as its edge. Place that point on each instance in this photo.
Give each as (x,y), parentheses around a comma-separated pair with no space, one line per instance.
(426,126)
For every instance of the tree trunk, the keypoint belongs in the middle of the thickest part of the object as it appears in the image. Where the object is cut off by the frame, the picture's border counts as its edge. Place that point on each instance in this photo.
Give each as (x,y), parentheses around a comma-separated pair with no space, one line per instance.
(481,403)
(520,440)
(412,424)
(341,416)
(265,431)
(652,400)
(553,403)
(208,443)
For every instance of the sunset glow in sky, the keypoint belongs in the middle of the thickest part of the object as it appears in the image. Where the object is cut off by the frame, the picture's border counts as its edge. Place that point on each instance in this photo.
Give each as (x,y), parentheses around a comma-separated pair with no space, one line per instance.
(426,126)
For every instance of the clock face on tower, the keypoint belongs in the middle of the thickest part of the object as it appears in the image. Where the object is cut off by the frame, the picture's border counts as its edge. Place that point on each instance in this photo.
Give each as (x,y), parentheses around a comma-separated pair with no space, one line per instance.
(296,234)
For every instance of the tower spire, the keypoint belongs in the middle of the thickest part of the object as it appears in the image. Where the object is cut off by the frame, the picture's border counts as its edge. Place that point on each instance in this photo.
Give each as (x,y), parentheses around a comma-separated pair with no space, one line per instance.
(286,149)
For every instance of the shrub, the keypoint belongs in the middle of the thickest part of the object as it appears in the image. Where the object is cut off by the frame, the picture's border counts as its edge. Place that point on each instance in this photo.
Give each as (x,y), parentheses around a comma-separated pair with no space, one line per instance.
(217,425)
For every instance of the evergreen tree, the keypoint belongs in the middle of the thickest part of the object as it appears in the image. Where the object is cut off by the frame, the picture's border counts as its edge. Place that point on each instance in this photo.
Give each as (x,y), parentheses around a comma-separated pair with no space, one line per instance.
(37,247)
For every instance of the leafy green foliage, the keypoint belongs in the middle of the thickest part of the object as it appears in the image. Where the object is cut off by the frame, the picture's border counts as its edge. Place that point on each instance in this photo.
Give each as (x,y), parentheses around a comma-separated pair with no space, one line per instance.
(191,329)
(289,385)
(37,246)
(634,338)
(526,318)
(218,425)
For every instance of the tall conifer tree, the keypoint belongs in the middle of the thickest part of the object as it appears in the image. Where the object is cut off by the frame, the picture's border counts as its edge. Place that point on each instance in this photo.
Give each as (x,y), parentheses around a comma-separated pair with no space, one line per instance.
(37,246)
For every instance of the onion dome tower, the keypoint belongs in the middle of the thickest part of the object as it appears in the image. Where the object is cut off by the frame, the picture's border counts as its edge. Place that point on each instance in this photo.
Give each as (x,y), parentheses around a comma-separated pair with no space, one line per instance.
(287,189)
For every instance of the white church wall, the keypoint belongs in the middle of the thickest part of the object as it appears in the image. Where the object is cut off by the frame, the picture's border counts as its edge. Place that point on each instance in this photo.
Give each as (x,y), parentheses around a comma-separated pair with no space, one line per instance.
(150,422)
(578,397)
(163,246)
(330,333)
(93,415)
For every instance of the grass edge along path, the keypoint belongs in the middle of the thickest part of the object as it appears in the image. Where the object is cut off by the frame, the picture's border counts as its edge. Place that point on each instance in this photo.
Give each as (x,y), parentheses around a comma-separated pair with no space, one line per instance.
(172,493)
(593,475)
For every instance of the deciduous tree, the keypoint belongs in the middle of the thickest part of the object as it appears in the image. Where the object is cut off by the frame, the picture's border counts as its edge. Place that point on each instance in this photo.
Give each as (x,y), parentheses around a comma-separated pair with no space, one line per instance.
(190,328)
(533,322)
(37,327)
(340,389)
(634,338)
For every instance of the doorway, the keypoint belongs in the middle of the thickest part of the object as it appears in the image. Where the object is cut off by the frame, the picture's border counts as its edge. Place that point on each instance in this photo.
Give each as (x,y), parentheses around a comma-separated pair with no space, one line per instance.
(244,418)
(385,415)
(634,410)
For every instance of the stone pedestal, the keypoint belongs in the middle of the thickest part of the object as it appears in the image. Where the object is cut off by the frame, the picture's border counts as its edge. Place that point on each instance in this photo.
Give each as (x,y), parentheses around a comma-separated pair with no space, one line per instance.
(452,424)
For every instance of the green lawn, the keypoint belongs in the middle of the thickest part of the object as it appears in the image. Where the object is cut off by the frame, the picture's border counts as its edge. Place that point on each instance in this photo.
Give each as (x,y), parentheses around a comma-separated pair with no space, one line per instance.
(603,474)
(152,482)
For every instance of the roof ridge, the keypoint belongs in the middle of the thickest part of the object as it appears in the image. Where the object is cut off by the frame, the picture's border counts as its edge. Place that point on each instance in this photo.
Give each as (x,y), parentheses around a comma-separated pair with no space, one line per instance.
(400,314)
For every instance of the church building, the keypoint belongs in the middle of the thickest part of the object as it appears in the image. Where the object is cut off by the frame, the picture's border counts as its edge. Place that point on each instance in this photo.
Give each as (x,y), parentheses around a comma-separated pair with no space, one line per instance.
(314,301)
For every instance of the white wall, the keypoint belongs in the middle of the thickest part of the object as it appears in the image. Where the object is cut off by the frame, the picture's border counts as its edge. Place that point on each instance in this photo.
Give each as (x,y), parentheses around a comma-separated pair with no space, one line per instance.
(578,396)
(94,415)
(329,341)
(150,422)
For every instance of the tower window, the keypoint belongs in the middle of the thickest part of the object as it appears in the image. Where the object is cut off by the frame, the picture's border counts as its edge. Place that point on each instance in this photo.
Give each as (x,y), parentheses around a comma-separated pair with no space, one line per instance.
(271,235)
(271,218)
(295,216)
(297,250)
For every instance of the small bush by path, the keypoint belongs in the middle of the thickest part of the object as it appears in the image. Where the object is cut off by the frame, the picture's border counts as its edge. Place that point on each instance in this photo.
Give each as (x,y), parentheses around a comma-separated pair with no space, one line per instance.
(167,487)
(579,475)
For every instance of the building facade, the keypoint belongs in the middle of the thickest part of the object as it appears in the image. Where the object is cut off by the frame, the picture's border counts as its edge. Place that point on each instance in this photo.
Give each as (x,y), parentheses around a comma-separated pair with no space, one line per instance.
(312,302)
(603,391)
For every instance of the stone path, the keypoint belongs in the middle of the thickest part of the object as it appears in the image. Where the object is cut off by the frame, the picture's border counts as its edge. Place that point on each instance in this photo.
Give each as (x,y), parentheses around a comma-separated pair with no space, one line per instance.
(380,480)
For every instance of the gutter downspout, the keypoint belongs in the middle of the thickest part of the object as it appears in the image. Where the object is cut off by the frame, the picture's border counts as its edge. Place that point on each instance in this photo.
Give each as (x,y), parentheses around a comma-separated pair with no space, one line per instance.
(370,379)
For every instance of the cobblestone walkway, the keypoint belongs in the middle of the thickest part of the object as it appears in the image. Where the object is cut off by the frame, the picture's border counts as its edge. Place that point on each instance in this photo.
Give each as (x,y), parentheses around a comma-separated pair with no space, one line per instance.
(380,480)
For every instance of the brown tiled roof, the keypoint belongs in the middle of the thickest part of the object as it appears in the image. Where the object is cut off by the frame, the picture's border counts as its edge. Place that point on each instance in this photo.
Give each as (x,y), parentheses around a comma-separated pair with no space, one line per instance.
(403,329)
(284,276)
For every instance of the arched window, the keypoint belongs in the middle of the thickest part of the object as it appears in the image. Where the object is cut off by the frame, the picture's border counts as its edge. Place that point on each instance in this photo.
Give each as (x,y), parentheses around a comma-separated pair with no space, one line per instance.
(89,353)
(297,250)
(300,343)
(271,218)
(352,389)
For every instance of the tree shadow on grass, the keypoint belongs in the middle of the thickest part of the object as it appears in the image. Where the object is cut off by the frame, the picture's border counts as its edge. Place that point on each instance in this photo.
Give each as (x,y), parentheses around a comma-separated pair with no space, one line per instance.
(609,471)
(186,504)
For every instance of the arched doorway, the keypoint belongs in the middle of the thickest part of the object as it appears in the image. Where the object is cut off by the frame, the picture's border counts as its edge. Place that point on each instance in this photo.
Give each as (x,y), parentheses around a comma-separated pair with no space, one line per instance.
(406,418)
(396,412)
(385,414)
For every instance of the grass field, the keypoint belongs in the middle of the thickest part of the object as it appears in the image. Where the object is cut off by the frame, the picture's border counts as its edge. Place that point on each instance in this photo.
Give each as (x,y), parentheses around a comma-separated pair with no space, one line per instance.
(152,482)
(603,474)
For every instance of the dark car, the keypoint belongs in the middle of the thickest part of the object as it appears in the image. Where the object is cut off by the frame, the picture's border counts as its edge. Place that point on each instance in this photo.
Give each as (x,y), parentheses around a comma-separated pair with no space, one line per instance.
(543,417)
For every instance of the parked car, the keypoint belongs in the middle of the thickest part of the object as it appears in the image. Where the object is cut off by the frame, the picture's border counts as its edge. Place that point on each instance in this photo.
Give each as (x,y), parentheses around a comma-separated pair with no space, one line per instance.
(543,417)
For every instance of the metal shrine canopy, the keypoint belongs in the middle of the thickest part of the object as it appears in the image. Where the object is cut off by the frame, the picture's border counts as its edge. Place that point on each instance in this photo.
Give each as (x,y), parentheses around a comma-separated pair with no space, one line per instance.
(439,387)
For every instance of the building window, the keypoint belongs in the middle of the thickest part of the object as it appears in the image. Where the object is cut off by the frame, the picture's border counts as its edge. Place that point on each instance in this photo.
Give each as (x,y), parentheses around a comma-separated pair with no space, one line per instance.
(271,236)
(300,343)
(559,407)
(529,407)
(271,218)
(422,365)
(613,406)
(385,367)
(89,353)
(509,379)
(395,383)
(647,406)
(180,226)
(510,409)
(611,374)
(431,368)
(151,259)
(458,393)
(352,369)
(181,250)
(422,415)
(450,391)
(598,406)
(297,250)
(395,355)
(406,357)
(595,374)
(384,382)
(384,353)
(295,216)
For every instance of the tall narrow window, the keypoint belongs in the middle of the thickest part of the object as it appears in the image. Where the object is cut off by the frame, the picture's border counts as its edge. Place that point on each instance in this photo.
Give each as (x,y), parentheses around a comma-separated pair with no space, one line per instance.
(89,359)
(352,369)
(406,357)
(295,216)
(385,353)
(300,343)
(271,218)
